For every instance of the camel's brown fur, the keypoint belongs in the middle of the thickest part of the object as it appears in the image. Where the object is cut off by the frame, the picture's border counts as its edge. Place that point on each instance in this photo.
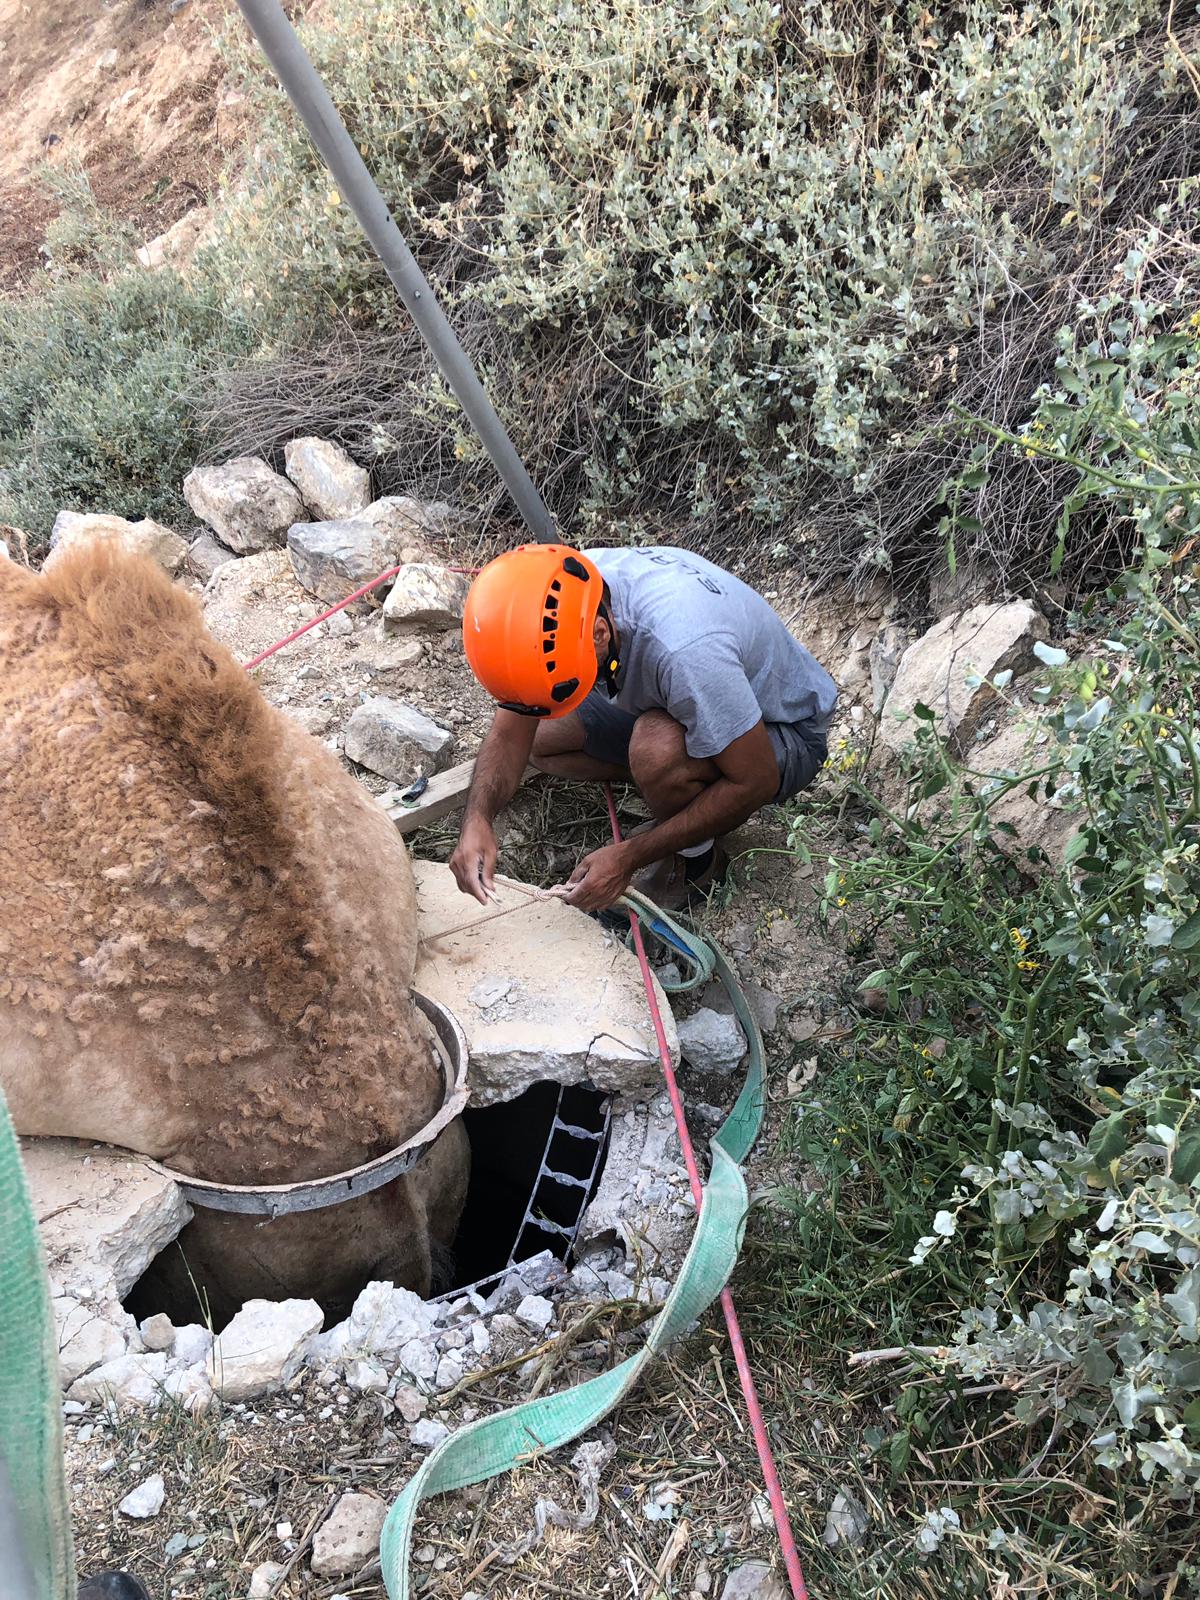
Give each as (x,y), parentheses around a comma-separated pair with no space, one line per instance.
(207,930)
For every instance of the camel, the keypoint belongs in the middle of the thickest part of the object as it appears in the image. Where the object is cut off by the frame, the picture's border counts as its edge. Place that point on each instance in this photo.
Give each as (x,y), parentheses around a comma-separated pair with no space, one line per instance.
(207,935)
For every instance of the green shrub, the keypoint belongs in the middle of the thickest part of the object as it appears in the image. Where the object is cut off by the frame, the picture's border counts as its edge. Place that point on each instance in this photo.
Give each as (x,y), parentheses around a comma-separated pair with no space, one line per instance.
(96,413)
(1019,1134)
(713,262)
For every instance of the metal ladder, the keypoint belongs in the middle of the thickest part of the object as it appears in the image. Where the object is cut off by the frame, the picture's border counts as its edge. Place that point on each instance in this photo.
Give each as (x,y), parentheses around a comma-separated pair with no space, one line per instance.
(548,1174)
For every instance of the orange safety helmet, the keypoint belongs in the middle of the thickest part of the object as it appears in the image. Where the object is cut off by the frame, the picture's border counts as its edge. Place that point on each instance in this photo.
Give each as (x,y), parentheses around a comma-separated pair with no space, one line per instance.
(527,628)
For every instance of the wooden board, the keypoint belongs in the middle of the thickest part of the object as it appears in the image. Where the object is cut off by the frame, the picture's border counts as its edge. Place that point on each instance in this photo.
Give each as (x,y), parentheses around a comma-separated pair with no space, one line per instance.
(447,792)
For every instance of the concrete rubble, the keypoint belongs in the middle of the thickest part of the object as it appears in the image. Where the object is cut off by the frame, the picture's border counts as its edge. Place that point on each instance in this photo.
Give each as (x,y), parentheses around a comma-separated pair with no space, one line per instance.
(247,505)
(330,483)
(262,1347)
(947,670)
(425,597)
(574,1009)
(396,740)
(349,1536)
(144,538)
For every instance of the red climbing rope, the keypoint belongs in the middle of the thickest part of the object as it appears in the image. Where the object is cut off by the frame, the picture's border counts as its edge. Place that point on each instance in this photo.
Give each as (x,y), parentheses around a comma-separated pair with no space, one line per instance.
(341,606)
(758,1427)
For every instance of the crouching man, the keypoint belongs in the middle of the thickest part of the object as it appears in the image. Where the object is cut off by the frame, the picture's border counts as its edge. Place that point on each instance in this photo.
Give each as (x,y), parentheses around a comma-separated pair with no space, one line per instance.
(645,664)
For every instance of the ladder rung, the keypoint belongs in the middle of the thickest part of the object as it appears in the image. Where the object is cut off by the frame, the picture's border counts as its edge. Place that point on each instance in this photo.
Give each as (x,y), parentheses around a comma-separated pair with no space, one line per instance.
(574,1132)
(563,1177)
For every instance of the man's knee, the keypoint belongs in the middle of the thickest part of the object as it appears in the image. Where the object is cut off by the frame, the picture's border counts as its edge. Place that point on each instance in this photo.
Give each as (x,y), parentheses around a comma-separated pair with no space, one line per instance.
(558,736)
(656,747)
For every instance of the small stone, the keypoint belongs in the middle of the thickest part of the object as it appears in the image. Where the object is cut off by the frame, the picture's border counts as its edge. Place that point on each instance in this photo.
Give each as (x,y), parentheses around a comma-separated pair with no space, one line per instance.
(753,1580)
(425,596)
(490,992)
(190,1387)
(481,1339)
(144,538)
(712,1041)
(449,1370)
(146,1500)
(263,1347)
(158,1332)
(192,1343)
(419,1359)
(536,1312)
(396,740)
(846,1521)
(330,483)
(427,1433)
(411,1403)
(247,506)
(349,1536)
(366,1375)
(205,554)
(760,1513)
(175,1546)
(283,1531)
(424,1554)
(264,1578)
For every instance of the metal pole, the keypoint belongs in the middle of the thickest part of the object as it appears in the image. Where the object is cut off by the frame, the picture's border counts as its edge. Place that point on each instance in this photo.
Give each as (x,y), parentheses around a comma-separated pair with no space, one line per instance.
(311,99)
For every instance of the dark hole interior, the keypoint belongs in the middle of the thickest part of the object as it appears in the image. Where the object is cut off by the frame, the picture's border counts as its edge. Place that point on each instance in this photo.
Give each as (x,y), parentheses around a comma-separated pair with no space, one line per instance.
(507,1145)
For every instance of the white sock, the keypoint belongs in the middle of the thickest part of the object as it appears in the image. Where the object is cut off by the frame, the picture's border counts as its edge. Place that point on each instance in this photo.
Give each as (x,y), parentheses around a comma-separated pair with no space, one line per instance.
(697,849)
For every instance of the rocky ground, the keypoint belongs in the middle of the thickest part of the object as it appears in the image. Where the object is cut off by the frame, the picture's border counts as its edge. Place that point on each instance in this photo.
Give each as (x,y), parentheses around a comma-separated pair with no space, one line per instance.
(248,1497)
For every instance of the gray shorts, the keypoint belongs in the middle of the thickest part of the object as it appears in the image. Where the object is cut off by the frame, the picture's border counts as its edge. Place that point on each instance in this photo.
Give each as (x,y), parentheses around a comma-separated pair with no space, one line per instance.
(800,747)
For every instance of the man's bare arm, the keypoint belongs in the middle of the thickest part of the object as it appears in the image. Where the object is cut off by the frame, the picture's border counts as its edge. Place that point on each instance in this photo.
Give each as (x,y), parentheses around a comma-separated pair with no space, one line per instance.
(499,767)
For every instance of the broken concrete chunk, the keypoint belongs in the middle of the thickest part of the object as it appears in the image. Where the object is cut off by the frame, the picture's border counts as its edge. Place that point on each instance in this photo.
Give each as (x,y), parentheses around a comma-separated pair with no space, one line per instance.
(247,506)
(947,669)
(262,1347)
(130,1380)
(144,538)
(396,740)
(536,1312)
(192,1343)
(107,1214)
(426,597)
(86,1339)
(349,1536)
(158,1332)
(579,1013)
(330,483)
(712,1041)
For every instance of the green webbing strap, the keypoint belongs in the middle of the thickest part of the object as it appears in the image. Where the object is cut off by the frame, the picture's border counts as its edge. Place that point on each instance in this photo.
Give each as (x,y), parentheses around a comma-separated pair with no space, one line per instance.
(35,1526)
(496,1444)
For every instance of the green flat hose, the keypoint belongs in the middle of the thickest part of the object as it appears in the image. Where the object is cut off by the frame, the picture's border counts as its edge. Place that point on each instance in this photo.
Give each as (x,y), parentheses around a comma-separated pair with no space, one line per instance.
(35,1525)
(496,1444)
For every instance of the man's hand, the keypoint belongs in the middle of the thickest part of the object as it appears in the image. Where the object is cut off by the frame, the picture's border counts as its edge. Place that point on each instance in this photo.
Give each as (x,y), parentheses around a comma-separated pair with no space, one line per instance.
(474,860)
(601,878)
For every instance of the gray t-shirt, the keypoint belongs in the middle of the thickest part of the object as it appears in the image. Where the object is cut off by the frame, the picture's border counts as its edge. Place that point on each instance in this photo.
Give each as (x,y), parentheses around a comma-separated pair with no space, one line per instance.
(702,645)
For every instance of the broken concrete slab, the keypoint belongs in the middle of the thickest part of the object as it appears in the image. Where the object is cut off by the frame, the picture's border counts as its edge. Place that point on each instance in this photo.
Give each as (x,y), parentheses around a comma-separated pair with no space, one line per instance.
(87,1337)
(577,1010)
(104,1214)
(330,483)
(643,1198)
(130,1380)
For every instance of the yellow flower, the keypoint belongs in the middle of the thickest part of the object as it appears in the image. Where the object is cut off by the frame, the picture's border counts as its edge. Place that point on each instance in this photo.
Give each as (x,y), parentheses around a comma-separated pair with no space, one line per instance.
(1027,966)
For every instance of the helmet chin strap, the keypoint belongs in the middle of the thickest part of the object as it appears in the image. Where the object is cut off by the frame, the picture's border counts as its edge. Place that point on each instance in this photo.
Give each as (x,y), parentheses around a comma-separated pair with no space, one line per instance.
(611,664)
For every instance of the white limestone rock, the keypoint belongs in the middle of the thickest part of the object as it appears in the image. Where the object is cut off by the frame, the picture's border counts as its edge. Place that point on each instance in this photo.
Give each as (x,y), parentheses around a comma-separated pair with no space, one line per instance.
(427,1433)
(576,1012)
(536,1312)
(86,1338)
(264,1578)
(192,1343)
(262,1347)
(146,1500)
(426,598)
(332,559)
(247,505)
(330,483)
(396,740)
(947,670)
(189,1387)
(130,1380)
(158,1332)
(349,1536)
(144,538)
(411,1403)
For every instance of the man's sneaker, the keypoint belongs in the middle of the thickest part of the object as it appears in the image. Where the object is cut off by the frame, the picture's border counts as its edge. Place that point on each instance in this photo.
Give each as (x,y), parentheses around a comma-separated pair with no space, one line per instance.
(668,885)
(112,1586)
